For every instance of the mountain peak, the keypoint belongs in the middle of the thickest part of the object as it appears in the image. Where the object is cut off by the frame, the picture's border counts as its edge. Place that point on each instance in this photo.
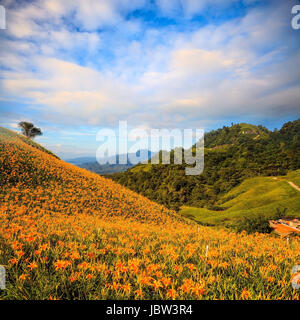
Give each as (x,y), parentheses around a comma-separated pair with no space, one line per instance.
(234,134)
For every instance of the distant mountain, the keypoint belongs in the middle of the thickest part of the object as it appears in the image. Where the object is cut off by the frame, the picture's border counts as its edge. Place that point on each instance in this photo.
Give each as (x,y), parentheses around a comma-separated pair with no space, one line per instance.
(105,168)
(81,160)
(232,154)
(109,168)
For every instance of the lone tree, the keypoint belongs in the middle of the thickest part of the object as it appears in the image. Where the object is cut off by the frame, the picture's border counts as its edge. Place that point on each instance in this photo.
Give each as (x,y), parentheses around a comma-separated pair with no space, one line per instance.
(29,130)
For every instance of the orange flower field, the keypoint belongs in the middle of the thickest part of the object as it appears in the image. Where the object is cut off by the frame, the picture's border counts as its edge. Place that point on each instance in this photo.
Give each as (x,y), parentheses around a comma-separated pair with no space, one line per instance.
(66,233)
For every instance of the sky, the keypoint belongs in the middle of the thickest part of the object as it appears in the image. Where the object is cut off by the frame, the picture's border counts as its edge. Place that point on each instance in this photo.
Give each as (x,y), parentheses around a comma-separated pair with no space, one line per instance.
(75,67)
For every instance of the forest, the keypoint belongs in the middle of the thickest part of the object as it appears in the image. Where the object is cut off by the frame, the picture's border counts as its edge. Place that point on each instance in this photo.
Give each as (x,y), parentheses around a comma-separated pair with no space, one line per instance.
(232,154)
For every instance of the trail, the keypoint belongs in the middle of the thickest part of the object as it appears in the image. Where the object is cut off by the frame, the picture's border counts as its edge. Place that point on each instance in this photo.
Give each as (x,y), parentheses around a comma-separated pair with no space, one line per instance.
(292,184)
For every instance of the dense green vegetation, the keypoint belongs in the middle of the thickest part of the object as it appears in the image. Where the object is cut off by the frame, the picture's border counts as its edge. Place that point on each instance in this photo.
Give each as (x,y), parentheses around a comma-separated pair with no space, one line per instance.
(258,223)
(232,155)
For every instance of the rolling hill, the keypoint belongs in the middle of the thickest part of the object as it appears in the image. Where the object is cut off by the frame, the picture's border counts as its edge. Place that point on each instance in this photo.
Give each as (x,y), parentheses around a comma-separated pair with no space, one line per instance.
(232,155)
(66,233)
(259,196)
(34,171)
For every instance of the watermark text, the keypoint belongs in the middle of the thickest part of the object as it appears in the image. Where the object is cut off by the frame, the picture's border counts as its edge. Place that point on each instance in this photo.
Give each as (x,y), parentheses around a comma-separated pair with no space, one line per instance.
(177,147)
(2,18)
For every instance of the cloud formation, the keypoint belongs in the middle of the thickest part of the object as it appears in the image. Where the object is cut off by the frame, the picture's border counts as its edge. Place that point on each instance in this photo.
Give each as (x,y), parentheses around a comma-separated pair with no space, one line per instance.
(162,64)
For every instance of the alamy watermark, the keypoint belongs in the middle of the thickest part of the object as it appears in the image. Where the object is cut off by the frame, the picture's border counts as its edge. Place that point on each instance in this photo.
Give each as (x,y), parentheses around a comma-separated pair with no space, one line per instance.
(296,19)
(2,17)
(2,278)
(133,147)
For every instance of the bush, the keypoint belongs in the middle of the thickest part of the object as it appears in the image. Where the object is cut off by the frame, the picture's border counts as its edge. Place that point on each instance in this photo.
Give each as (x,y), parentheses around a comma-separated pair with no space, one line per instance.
(253,224)
(216,208)
(258,224)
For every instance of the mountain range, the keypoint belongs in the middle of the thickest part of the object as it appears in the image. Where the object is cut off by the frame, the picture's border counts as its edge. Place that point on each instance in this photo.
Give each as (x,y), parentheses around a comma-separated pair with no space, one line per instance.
(108,167)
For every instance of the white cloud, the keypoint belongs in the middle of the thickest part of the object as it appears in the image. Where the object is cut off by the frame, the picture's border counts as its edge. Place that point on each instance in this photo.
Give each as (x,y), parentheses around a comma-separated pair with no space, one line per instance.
(169,8)
(241,67)
(89,15)
(199,61)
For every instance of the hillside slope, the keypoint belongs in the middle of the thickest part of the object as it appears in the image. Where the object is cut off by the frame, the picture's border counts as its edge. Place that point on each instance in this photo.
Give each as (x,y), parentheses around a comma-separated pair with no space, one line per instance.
(35,172)
(260,196)
(66,233)
(9,135)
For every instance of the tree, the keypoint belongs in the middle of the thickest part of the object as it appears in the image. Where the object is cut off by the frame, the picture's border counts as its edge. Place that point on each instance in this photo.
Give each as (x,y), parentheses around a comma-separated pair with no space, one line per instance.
(253,224)
(29,130)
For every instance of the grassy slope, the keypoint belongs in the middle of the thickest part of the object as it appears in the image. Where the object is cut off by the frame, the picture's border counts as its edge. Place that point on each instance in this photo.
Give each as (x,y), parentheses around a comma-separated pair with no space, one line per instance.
(141,167)
(294,176)
(255,196)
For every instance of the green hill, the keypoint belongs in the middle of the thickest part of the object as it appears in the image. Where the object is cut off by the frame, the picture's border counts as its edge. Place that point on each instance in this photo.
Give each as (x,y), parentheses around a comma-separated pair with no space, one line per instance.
(232,155)
(235,134)
(260,196)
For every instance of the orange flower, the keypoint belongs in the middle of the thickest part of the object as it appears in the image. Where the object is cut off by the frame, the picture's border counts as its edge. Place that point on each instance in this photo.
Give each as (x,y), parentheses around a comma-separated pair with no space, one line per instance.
(166,281)
(84,265)
(198,289)
(187,285)
(156,284)
(171,293)
(115,286)
(32,266)
(146,280)
(120,266)
(127,288)
(245,294)
(20,253)
(23,276)
(13,261)
(62,264)
(44,247)
(190,266)
(138,293)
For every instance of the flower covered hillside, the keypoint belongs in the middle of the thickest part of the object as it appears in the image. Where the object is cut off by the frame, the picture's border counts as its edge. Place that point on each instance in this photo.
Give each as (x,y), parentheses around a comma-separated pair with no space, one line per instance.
(66,233)
(34,180)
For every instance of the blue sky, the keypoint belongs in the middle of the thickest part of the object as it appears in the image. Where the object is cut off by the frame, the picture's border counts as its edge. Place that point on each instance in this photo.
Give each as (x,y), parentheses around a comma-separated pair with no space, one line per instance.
(75,67)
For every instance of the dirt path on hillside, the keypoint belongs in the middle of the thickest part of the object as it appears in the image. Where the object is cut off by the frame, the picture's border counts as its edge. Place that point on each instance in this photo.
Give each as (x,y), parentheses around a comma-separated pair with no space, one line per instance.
(292,184)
